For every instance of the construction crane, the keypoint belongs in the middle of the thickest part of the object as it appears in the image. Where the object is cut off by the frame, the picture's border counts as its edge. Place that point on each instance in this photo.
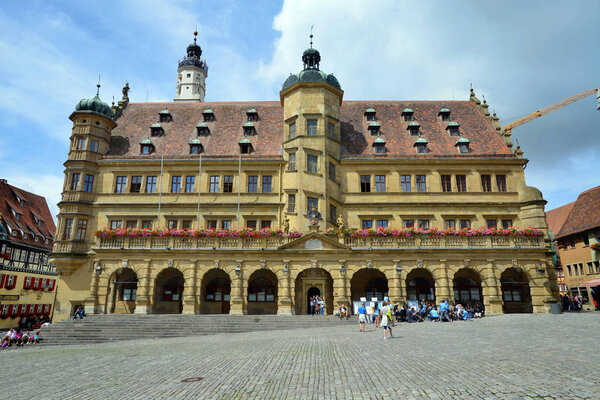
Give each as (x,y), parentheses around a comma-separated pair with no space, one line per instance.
(506,129)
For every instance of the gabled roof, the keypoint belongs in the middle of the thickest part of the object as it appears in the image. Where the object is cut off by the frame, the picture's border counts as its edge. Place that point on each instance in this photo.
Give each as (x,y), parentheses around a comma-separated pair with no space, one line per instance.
(557,217)
(584,215)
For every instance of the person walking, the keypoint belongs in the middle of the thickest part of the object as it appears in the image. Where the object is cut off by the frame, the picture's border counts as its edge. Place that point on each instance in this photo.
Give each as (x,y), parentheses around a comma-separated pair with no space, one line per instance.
(312,306)
(362,317)
(317,311)
(386,320)
(322,306)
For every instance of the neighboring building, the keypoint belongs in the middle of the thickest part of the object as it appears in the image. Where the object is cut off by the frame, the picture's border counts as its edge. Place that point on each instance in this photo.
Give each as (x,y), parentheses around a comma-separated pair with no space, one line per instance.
(227,165)
(575,237)
(555,219)
(27,281)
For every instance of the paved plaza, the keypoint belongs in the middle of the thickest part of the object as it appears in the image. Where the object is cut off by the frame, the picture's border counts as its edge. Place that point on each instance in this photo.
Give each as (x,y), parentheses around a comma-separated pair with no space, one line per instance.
(503,357)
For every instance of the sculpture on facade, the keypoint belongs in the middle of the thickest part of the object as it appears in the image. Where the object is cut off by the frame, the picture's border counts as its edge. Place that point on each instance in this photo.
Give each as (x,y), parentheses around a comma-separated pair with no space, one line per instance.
(341,223)
(125,91)
(286,225)
(314,216)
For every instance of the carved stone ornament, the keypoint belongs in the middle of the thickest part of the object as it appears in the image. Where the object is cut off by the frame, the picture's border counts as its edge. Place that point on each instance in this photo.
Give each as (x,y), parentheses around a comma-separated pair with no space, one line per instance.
(314,263)
(467,263)
(419,264)
(170,263)
(124,263)
(216,264)
(369,263)
(263,264)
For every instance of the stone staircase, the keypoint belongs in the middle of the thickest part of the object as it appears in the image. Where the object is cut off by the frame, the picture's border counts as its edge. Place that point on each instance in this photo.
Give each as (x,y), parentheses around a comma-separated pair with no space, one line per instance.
(108,327)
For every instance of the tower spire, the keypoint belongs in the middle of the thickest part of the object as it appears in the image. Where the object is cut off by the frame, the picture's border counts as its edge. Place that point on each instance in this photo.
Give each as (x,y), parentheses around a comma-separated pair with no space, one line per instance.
(98,87)
(311,35)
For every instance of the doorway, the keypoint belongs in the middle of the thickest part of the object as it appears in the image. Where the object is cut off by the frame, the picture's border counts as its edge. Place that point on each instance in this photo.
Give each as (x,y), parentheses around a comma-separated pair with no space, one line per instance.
(313,291)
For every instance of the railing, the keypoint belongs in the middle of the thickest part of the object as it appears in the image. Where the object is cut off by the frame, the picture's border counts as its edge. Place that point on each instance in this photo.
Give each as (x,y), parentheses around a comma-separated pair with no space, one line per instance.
(193,61)
(156,242)
(70,247)
(76,197)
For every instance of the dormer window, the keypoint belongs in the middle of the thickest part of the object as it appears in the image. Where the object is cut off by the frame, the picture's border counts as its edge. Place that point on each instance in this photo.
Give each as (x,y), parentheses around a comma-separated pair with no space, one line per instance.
(249,129)
(379,145)
(370,114)
(252,115)
(195,146)
(208,115)
(453,128)
(374,128)
(444,113)
(413,128)
(245,146)
(165,116)
(156,130)
(421,145)
(146,147)
(202,129)
(19,199)
(408,113)
(463,145)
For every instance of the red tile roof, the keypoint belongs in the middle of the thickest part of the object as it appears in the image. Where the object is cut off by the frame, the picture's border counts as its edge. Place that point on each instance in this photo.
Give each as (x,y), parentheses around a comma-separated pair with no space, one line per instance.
(30,205)
(584,215)
(557,217)
(226,131)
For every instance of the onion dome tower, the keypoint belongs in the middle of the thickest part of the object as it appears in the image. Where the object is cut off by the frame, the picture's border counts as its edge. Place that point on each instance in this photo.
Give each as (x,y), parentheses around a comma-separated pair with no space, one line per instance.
(191,75)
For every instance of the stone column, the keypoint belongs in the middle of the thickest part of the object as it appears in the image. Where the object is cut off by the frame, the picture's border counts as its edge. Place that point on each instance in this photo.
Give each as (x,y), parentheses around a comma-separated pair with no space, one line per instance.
(91,303)
(397,293)
(142,299)
(238,303)
(284,306)
(340,284)
(189,289)
(539,286)
(110,307)
(442,283)
(492,294)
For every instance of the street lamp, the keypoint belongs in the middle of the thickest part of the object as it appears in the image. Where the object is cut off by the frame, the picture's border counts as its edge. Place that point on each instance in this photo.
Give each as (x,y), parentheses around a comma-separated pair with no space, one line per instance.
(98,268)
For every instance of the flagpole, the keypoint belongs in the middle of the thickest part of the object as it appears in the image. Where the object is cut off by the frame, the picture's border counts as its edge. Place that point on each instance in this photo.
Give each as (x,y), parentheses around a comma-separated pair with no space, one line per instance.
(199,178)
(239,189)
(162,159)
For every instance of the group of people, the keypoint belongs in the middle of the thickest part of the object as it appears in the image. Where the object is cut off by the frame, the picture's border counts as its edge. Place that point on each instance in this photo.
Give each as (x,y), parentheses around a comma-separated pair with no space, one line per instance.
(383,319)
(317,306)
(571,304)
(19,337)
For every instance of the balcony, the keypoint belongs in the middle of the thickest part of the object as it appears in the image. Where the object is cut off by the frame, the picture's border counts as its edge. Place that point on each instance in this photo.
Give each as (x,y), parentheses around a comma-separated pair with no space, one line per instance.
(67,246)
(193,61)
(445,242)
(78,197)
(184,243)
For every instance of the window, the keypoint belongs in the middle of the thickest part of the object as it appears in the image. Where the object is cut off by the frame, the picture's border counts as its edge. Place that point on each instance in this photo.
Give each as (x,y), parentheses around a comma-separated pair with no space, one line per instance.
(292,130)
(292,164)
(586,239)
(365,183)
(251,224)
(147,224)
(80,144)
(461,183)
(68,229)
(226,224)
(195,148)
(311,127)
(190,181)
(81,229)
(291,203)
(491,223)
(131,224)
(332,213)
(228,184)
(94,145)
(175,184)
(465,223)
(421,148)
(380,183)
(213,187)
(150,184)
(331,171)
(252,183)
(75,181)
(379,148)
(450,224)
(569,270)
(261,290)
(147,148)
(408,223)
(264,224)
(88,183)
(421,183)
(405,183)
(312,202)
(311,163)
(172,224)
(136,184)
(486,183)
(266,183)
(366,223)
(186,224)
(572,243)
(501,183)
(446,183)
(211,224)
(507,223)
(331,130)
(382,223)
(121,184)
(129,293)
(116,224)
(463,147)
(424,223)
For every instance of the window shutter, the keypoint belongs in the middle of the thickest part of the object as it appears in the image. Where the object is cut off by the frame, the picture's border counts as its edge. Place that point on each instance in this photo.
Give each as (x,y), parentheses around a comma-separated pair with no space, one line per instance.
(2,280)
(40,283)
(53,284)
(27,283)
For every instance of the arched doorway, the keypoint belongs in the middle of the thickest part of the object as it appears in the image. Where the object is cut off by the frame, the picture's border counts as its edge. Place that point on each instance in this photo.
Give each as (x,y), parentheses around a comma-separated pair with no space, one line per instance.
(420,285)
(312,292)
(311,279)
(369,283)
(216,292)
(467,287)
(516,295)
(262,292)
(168,292)
(124,281)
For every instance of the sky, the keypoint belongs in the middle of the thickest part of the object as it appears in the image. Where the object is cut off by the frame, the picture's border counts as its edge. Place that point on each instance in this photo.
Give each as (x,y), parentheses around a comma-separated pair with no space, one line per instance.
(522,56)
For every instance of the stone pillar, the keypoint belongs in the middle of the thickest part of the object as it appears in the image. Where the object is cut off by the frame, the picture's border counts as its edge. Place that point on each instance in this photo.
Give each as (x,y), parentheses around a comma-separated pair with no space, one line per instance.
(442,283)
(397,293)
(492,293)
(142,299)
(189,289)
(91,303)
(238,303)
(539,286)
(284,306)
(110,307)
(340,283)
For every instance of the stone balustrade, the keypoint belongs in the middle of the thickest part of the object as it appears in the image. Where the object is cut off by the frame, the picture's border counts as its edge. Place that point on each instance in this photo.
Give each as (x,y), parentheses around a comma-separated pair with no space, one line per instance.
(157,242)
(67,246)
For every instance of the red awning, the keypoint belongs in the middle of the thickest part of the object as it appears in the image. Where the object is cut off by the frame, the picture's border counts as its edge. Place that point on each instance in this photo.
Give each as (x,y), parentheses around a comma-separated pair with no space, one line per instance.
(593,282)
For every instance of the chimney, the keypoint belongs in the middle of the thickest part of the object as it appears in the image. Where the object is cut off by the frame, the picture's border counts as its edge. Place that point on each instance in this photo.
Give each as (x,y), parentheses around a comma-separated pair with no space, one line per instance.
(3,181)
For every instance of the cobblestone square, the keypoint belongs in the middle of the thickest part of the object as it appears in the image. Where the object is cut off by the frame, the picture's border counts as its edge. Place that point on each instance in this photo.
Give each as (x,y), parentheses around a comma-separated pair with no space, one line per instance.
(502,357)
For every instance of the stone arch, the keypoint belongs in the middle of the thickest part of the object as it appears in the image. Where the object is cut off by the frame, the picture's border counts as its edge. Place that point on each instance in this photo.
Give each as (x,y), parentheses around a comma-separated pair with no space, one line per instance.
(369,283)
(262,292)
(313,277)
(467,284)
(122,291)
(516,293)
(420,285)
(215,292)
(168,291)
